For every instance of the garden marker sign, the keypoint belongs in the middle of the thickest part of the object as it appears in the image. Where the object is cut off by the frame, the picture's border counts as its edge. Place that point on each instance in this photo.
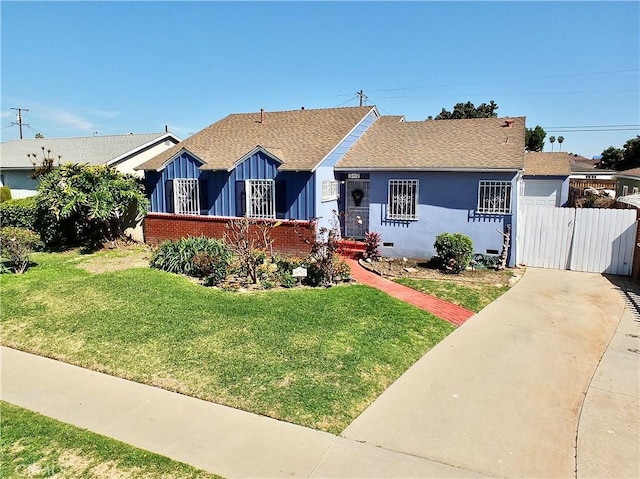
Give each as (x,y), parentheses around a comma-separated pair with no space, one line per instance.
(299,273)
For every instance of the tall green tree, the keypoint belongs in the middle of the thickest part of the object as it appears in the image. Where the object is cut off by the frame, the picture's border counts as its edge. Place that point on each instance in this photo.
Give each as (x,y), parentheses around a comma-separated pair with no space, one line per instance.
(560,140)
(610,158)
(621,158)
(534,138)
(552,140)
(89,201)
(468,110)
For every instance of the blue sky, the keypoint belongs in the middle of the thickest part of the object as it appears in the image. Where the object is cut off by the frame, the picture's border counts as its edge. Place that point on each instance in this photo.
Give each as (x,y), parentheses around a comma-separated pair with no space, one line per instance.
(119,67)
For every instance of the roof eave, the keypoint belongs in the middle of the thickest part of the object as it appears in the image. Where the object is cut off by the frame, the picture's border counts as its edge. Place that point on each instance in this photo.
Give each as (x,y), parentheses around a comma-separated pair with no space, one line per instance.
(246,156)
(143,147)
(172,158)
(419,168)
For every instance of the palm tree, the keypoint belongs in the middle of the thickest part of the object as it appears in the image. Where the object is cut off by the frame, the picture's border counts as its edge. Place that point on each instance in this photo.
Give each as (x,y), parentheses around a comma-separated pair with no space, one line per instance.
(560,140)
(552,139)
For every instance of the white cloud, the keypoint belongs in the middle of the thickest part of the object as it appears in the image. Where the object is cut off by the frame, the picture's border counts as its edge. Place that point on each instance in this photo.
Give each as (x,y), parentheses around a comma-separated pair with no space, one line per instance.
(67,119)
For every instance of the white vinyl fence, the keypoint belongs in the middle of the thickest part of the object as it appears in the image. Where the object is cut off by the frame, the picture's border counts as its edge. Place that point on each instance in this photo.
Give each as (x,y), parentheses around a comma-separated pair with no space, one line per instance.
(582,239)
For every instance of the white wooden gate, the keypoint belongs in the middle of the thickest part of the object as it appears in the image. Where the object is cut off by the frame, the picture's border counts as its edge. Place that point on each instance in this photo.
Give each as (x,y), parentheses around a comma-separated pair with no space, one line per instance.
(582,239)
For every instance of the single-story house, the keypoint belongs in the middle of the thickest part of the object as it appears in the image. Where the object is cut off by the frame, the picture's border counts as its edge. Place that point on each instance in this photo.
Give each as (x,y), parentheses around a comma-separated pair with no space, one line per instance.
(628,182)
(546,179)
(124,152)
(407,181)
(585,169)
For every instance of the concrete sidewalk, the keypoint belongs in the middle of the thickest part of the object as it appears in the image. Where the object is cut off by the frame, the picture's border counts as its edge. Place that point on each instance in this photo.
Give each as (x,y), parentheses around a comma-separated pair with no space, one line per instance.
(219,439)
(503,396)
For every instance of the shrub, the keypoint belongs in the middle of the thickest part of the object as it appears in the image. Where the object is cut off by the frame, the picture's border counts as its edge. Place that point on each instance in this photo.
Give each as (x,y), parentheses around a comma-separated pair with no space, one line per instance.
(5,194)
(88,203)
(16,244)
(194,256)
(455,249)
(323,257)
(21,213)
(287,280)
(372,246)
(321,274)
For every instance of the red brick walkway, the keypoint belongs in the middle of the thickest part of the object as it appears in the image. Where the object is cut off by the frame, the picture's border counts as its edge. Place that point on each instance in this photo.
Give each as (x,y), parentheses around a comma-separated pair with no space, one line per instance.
(452,313)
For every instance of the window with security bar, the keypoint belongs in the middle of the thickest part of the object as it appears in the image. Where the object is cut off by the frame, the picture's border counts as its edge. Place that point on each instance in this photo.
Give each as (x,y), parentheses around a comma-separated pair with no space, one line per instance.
(330,190)
(260,198)
(494,197)
(186,197)
(403,200)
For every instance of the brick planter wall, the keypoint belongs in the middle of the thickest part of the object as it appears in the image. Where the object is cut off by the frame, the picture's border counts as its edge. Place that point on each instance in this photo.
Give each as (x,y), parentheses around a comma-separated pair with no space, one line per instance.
(291,238)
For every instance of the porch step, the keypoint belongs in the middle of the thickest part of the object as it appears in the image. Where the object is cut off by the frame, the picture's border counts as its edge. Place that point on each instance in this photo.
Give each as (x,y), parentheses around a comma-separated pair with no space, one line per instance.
(351,248)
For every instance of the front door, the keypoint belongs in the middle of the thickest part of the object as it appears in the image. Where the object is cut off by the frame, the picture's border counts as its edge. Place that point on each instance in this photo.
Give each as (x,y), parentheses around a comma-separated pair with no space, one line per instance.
(356,222)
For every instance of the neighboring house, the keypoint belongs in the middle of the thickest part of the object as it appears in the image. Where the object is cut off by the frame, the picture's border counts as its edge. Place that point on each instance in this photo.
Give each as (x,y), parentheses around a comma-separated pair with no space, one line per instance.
(408,181)
(628,182)
(585,169)
(546,179)
(124,152)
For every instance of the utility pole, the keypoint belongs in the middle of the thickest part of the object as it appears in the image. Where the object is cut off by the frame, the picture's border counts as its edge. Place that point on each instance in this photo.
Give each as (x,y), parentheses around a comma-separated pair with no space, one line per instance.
(362,96)
(19,123)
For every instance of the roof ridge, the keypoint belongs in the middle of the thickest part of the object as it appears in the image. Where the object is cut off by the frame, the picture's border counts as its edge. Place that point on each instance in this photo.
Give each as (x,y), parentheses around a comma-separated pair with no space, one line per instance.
(368,107)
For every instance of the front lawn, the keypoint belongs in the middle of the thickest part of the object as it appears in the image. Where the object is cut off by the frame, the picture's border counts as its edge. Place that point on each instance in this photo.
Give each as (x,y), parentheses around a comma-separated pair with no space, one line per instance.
(315,357)
(473,296)
(37,446)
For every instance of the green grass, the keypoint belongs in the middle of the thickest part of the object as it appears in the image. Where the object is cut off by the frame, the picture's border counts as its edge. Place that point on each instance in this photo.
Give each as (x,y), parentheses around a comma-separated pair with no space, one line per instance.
(473,296)
(33,445)
(314,357)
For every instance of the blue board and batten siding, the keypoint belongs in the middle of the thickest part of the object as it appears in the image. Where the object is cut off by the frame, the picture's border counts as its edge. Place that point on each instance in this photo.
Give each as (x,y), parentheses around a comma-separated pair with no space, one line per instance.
(221,190)
(447,202)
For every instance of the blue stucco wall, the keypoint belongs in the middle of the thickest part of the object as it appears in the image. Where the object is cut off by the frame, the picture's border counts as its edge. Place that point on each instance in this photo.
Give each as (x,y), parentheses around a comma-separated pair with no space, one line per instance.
(447,203)
(296,198)
(325,209)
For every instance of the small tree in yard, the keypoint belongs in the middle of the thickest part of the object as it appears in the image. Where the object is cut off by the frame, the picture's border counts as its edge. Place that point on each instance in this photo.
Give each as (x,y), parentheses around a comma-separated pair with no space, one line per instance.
(455,250)
(324,263)
(250,240)
(89,202)
(17,244)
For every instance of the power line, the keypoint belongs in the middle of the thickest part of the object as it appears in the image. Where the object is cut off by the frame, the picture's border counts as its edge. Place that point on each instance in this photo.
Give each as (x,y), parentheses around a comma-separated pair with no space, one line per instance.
(396,97)
(569,75)
(345,102)
(593,129)
(594,126)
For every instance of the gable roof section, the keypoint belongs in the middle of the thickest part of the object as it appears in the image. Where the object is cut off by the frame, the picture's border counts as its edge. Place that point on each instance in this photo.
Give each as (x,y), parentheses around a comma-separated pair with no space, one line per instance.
(547,164)
(300,139)
(95,150)
(471,144)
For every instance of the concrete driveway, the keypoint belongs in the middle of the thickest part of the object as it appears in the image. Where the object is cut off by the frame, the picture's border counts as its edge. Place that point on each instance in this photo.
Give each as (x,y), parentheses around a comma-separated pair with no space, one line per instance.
(539,383)
(503,394)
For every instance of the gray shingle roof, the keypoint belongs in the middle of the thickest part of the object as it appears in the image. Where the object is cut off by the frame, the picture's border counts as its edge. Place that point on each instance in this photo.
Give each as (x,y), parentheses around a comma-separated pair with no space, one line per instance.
(483,143)
(630,172)
(301,139)
(547,164)
(94,150)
